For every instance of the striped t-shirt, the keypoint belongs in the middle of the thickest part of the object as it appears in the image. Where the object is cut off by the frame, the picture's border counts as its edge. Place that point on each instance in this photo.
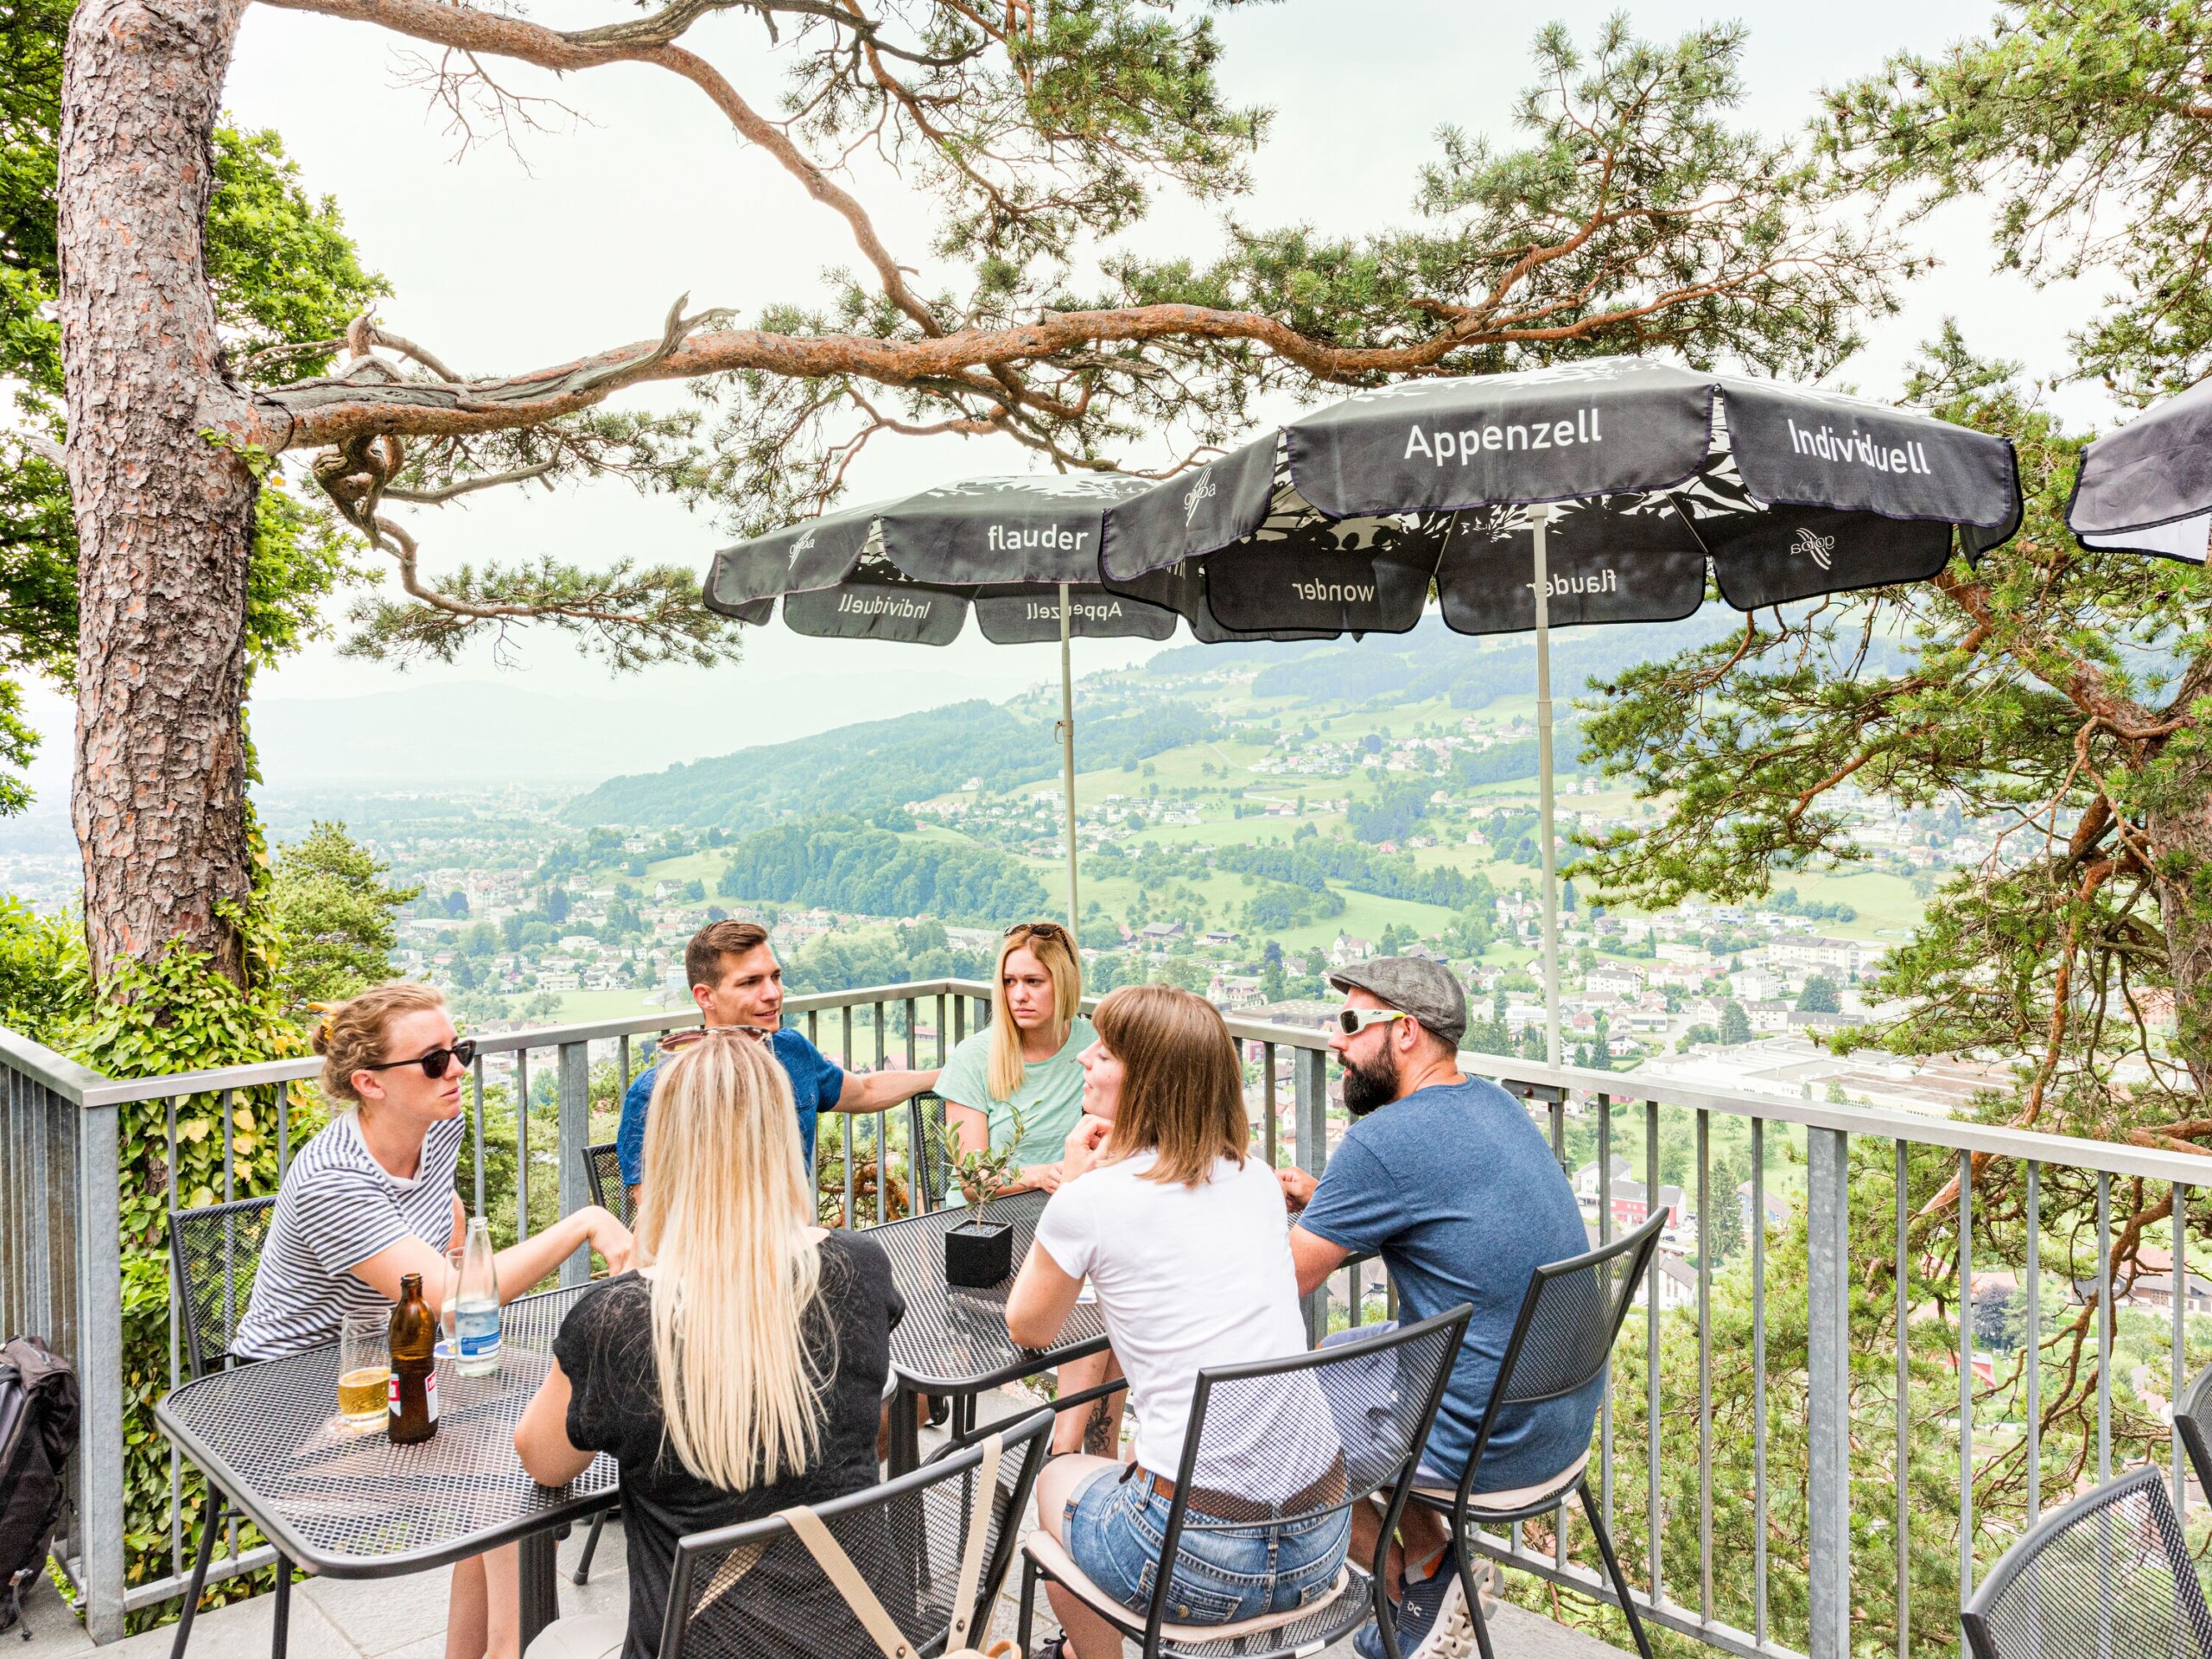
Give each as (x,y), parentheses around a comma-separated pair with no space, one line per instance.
(336,1207)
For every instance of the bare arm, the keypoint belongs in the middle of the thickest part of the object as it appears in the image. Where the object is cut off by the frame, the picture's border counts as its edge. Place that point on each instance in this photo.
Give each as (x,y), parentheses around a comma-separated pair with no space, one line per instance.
(1040,1301)
(520,1266)
(1314,1258)
(971,1129)
(873,1091)
(542,1437)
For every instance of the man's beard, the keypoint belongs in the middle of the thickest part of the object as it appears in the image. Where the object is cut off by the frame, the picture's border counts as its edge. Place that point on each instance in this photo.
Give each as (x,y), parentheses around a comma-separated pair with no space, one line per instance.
(1367,1087)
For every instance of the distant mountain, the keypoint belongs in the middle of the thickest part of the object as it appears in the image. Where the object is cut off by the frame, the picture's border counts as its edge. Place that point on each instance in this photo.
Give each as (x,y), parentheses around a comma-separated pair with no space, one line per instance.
(862,769)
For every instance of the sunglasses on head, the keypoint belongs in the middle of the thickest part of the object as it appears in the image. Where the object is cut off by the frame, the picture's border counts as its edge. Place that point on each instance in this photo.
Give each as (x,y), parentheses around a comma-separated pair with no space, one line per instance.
(434,1063)
(1037,929)
(1352,1021)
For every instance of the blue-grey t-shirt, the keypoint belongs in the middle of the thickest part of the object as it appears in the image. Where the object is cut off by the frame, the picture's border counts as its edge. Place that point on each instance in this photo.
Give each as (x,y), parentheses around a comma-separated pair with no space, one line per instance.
(817,1080)
(1460,1195)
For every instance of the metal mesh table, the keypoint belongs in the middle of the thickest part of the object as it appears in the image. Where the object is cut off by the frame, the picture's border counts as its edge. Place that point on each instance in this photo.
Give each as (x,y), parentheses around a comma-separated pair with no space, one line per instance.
(347,1503)
(953,1341)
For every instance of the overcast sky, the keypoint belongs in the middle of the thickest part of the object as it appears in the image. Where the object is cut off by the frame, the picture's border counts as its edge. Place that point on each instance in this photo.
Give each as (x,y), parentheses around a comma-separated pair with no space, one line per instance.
(499,267)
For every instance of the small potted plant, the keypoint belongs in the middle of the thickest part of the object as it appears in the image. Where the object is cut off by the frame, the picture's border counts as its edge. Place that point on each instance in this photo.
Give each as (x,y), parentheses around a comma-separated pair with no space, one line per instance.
(979,1252)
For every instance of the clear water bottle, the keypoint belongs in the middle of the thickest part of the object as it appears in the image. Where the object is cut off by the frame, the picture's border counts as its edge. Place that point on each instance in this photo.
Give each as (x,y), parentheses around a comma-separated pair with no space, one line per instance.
(476,1305)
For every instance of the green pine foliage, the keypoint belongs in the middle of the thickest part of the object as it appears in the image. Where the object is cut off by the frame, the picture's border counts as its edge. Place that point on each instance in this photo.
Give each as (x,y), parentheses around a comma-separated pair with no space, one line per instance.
(328,900)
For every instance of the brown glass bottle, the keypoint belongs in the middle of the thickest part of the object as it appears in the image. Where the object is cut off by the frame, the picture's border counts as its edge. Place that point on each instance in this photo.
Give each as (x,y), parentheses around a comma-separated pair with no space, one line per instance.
(414,1397)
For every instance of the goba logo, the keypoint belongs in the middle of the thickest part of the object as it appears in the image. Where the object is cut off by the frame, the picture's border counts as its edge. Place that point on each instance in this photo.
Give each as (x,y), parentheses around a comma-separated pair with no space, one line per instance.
(1820,549)
(1470,441)
(881,604)
(1197,495)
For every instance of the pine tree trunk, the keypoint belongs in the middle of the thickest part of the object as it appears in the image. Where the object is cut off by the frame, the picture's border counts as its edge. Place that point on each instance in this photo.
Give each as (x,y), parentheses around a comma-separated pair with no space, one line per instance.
(2179,824)
(164,514)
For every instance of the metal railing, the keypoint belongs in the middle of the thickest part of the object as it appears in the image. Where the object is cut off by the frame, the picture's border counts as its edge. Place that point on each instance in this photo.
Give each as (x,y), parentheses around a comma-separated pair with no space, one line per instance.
(60,1262)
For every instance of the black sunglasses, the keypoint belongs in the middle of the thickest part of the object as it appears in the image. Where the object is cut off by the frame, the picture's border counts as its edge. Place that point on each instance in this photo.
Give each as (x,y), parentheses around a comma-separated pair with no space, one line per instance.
(434,1063)
(1037,929)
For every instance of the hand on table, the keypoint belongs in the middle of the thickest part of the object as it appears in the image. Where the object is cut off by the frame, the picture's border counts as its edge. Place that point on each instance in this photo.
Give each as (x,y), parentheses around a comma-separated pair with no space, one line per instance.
(1043,1178)
(1298,1186)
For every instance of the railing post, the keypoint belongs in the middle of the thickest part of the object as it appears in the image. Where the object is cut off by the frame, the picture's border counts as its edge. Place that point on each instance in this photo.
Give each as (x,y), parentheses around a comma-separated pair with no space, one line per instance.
(100,1519)
(1828,1290)
(1309,1078)
(575,1081)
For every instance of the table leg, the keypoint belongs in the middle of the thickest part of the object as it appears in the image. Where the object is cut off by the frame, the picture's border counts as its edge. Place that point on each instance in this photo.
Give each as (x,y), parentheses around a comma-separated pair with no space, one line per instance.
(905,1431)
(539,1572)
(280,1620)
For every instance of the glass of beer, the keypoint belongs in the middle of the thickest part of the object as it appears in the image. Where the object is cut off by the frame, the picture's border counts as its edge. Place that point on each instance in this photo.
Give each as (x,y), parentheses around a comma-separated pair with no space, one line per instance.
(364,1369)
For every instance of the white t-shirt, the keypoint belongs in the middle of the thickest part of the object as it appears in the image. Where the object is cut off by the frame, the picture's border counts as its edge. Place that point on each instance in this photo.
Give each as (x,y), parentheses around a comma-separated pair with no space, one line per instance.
(1189,1277)
(337,1207)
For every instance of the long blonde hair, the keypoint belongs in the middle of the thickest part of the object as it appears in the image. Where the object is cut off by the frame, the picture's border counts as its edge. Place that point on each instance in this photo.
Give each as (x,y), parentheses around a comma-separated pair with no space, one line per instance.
(1049,943)
(1182,1088)
(724,1221)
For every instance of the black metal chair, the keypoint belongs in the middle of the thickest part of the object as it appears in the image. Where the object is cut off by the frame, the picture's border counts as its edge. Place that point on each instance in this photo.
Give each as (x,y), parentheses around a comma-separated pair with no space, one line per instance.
(214,1254)
(929,1150)
(911,1566)
(1373,1398)
(2194,1419)
(603,1170)
(1562,1341)
(2109,1576)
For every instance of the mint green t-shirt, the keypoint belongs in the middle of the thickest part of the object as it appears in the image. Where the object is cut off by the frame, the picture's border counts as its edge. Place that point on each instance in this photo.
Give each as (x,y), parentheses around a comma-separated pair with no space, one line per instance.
(1050,1099)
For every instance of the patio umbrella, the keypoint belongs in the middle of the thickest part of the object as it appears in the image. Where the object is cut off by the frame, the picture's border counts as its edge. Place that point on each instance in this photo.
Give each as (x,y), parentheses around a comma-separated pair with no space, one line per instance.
(1597,492)
(1021,553)
(2148,488)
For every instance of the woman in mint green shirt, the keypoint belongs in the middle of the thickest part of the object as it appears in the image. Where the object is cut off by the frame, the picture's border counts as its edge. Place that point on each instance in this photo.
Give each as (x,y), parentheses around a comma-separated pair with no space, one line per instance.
(1022,1068)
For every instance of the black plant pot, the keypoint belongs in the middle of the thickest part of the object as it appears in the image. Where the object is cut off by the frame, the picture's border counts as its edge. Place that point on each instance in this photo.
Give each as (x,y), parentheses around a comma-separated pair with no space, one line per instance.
(978,1254)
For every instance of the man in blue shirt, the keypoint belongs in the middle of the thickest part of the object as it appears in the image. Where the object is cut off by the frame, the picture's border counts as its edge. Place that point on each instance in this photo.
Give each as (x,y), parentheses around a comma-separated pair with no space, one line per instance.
(736,981)
(1446,1177)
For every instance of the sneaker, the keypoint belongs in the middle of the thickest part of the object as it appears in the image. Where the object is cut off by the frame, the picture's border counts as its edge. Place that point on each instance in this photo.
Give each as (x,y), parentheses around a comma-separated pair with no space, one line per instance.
(1426,1616)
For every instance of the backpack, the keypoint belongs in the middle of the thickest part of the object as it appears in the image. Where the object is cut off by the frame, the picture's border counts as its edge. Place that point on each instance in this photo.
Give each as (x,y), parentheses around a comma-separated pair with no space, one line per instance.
(38,1431)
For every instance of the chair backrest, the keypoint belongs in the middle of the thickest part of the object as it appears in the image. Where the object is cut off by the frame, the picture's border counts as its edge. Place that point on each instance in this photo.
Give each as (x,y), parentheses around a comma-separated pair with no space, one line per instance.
(929,1146)
(2194,1420)
(1563,1336)
(757,1589)
(2107,1577)
(603,1169)
(214,1252)
(1281,1441)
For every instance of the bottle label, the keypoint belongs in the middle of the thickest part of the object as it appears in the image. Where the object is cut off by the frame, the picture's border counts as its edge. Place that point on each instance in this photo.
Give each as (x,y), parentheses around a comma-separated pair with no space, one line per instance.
(477,1332)
(429,1395)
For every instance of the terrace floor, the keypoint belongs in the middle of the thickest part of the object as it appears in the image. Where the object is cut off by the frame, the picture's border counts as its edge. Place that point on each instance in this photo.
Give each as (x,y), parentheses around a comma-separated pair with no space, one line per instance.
(405,1618)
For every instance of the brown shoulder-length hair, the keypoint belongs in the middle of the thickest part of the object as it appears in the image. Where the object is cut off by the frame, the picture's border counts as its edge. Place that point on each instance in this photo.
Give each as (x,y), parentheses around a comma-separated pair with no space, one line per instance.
(1182,1088)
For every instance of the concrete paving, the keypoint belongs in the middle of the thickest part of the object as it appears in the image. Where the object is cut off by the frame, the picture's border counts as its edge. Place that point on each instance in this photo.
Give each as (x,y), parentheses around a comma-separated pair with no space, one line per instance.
(405,1618)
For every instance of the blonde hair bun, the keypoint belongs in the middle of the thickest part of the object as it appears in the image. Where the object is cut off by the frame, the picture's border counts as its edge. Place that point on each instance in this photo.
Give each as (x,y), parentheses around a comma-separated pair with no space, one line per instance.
(351,1034)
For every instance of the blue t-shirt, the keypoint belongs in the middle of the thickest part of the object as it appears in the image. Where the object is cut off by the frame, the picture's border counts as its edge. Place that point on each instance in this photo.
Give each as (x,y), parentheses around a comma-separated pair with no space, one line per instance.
(816,1082)
(1460,1195)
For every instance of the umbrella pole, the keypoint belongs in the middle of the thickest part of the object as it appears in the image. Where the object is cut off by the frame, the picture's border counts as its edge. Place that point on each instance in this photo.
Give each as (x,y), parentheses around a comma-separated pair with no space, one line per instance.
(1540,518)
(1067,757)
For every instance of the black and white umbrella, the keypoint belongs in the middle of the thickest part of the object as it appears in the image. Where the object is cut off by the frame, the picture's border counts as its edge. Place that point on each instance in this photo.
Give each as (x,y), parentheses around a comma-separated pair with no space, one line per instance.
(1598,491)
(2148,488)
(1021,553)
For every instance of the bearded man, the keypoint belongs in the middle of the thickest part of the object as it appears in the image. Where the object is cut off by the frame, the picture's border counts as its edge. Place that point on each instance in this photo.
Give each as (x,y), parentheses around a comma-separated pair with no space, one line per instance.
(1446,1177)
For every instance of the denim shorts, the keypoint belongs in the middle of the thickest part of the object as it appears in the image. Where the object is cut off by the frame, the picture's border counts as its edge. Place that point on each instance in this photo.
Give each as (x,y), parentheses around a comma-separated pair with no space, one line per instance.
(1114,1526)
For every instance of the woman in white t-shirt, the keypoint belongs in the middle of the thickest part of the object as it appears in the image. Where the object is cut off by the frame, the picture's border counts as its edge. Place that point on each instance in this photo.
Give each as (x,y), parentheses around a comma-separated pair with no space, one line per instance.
(1186,1246)
(370,1199)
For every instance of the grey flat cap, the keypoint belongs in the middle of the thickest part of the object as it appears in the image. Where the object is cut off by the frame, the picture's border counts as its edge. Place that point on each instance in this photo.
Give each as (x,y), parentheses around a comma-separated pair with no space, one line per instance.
(1428,990)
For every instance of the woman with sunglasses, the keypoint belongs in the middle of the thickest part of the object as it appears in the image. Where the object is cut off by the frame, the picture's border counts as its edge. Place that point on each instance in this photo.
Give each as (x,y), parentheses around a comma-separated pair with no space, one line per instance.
(370,1199)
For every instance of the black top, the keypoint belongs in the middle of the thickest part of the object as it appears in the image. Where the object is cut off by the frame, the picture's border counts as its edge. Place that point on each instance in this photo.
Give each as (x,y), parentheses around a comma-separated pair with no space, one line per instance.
(606,1347)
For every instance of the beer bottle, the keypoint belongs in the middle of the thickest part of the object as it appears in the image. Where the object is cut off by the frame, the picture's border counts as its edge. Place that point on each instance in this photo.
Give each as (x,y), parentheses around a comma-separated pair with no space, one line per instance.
(414,1396)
